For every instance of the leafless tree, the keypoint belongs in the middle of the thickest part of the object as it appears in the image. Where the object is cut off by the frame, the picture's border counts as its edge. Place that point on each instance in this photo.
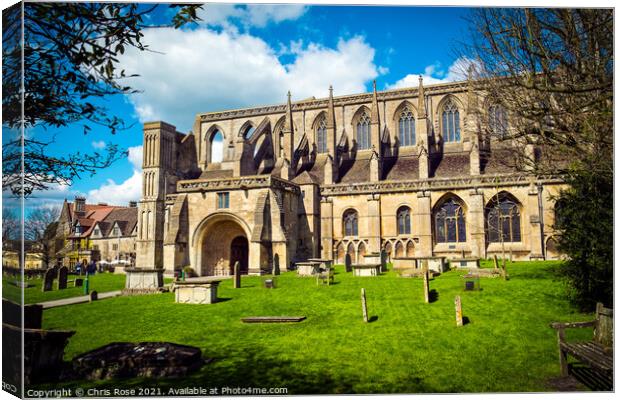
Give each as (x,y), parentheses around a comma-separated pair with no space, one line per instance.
(551,72)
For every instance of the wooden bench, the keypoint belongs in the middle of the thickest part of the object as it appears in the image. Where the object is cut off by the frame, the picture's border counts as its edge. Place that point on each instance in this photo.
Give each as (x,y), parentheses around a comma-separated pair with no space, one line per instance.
(598,352)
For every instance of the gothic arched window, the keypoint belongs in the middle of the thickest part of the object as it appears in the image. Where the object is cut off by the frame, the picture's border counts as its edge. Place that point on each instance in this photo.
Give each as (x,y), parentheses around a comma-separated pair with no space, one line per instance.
(248,131)
(406,128)
(350,223)
(503,220)
(450,222)
(363,132)
(403,219)
(450,122)
(497,121)
(217,147)
(321,136)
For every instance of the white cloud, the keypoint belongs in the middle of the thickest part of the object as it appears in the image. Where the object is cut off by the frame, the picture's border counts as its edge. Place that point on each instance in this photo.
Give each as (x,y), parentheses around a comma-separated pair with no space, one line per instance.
(98,144)
(52,197)
(117,193)
(434,74)
(253,15)
(203,70)
(134,155)
(121,193)
(110,192)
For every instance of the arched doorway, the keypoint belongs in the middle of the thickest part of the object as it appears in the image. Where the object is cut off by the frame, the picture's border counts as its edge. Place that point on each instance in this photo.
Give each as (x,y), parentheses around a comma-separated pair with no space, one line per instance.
(239,252)
(220,241)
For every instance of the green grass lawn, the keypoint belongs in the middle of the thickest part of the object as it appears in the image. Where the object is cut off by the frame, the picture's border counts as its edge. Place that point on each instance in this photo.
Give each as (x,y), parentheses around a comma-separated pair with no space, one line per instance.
(410,347)
(104,282)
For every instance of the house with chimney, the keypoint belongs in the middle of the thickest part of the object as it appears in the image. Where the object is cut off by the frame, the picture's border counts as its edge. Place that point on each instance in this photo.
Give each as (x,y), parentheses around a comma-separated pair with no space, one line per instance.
(95,232)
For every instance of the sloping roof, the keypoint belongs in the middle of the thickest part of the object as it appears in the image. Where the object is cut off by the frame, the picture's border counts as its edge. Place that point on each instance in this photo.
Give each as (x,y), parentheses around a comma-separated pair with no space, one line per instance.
(217,174)
(355,170)
(311,172)
(104,215)
(400,168)
(499,161)
(125,217)
(449,165)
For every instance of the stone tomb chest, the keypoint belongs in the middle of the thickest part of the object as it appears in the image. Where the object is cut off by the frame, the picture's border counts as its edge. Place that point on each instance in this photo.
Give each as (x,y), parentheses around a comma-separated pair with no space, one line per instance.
(143,280)
(470,263)
(196,291)
(436,264)
(366,269)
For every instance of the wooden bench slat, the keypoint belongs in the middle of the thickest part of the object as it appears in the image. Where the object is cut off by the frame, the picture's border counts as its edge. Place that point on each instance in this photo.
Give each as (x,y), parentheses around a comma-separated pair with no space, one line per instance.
(591,353)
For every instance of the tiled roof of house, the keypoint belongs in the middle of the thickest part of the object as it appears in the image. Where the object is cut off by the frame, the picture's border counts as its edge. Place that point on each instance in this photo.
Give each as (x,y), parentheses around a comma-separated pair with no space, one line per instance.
(125,217)
(104,216)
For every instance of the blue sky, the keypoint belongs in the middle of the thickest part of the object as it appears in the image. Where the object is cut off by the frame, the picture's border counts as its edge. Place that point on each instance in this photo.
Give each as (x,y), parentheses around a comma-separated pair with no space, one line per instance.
(245,56)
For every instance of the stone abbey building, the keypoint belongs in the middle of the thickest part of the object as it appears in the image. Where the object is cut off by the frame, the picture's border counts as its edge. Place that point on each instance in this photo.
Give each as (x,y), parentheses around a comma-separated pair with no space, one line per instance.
(410,171)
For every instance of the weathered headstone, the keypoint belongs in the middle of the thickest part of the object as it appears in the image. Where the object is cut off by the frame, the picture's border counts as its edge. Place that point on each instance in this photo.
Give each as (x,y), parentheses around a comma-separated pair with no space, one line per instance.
(62,277)
(79,282)
(276,265)
(384,259)
(426,292)
(347,262)
(364,308)
(496,264)
(48,280)
(459,311)
(237,276)
(93,296)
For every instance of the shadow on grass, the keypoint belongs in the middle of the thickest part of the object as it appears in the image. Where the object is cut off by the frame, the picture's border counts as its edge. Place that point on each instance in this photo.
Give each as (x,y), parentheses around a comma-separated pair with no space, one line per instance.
(466,321)
(223,299)
(591,378)
(248,368)
(373,318)
(433,296)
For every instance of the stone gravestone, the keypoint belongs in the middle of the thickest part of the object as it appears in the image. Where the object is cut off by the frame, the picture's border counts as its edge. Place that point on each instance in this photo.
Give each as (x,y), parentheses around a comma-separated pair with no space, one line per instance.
(93,296)
(364,308)
(62,277)
(459,311)
(384,260)
(426,292)
(276,265)
(347,262)
(48,280)
(237,276)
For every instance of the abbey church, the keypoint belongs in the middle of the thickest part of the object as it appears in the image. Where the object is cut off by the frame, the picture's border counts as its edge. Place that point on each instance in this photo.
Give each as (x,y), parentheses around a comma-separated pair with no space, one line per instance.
(414,172)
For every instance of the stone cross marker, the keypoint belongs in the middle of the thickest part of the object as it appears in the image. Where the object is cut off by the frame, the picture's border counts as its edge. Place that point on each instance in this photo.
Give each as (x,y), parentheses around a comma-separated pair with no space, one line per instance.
(459,311)
(426,293)
(364,308)
(62,278)
(237,277)
(48,280)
